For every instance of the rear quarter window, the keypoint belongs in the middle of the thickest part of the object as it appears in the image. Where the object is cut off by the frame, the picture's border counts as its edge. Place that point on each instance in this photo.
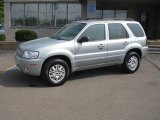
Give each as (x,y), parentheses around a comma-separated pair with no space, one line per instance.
(136,29)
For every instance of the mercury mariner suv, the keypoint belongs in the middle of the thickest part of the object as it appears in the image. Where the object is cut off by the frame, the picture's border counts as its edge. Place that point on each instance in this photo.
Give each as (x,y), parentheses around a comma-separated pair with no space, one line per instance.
(83,45)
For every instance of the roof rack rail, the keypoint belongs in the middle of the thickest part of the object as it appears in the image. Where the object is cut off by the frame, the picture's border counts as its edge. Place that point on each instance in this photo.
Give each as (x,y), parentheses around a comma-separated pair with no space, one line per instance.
(127,19)
(93,19)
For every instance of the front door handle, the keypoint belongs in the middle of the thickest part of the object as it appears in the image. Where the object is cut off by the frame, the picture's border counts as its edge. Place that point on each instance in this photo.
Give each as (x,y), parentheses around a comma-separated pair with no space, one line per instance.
(101,46)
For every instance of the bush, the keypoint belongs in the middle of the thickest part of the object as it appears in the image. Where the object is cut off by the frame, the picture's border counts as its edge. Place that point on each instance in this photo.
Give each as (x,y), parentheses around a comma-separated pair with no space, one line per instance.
(2,37)
(25,35)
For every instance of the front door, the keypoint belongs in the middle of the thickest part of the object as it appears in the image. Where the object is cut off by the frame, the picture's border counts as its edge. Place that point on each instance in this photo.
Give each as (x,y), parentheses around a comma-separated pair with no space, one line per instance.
(94,51)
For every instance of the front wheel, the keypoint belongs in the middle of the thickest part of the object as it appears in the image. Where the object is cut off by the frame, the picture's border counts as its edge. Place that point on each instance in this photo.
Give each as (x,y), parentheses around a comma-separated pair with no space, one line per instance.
(56,72)
(131,62)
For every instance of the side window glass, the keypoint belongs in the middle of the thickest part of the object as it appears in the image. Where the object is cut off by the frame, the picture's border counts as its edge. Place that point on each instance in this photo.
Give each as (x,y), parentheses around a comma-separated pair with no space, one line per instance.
(95,32)
(117,31)
(136,29)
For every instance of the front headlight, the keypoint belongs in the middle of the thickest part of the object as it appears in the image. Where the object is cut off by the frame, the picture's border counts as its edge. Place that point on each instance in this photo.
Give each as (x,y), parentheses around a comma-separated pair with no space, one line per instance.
(30,54)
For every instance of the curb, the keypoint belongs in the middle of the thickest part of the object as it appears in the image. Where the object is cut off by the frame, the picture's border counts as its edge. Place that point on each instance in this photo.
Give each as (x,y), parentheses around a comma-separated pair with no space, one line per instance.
(154,51)
(154,46)
(8,45)
(7,69)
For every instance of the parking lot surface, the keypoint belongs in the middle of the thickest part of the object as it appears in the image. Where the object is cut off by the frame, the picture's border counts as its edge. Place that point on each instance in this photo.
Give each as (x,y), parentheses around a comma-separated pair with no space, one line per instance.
(98,94)
(6,59)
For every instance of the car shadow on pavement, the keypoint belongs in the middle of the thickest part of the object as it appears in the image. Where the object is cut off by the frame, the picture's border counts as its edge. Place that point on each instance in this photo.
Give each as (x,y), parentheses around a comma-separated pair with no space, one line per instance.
(15,78)
(111,70)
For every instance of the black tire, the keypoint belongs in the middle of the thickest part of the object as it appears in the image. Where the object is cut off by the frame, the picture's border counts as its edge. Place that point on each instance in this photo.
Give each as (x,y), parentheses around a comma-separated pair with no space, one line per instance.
(125,65)
(47,67)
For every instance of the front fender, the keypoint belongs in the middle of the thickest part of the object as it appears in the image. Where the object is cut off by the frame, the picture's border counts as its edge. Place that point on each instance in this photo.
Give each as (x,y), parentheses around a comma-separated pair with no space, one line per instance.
(63,52)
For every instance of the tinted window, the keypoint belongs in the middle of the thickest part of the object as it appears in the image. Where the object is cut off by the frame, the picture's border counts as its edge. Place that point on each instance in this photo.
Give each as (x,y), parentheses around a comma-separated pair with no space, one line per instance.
(45,14)
(136,29)
(121,14)
(17,14)
(108,14)
(74,12)
(117,31)
(31,14)
(114,14)
(95,32)
(61,14)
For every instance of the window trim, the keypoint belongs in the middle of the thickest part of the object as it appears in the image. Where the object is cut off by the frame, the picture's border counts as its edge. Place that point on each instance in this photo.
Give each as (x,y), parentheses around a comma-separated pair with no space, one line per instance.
(127,33)
(79,36)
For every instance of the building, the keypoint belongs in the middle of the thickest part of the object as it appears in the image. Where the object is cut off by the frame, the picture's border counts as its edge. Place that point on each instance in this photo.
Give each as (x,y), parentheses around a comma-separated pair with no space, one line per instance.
(47,16)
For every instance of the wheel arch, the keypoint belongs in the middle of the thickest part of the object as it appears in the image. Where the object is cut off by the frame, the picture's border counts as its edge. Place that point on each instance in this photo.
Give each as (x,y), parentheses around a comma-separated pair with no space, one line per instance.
(63,57)
(137,50)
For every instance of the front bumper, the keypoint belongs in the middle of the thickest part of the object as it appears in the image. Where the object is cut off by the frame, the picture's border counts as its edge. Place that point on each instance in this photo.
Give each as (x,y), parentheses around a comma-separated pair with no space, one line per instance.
(29,66)
(144,51)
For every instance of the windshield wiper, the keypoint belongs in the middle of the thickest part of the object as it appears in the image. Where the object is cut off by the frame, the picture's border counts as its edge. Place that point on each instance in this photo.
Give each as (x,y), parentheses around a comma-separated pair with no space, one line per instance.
(57,37)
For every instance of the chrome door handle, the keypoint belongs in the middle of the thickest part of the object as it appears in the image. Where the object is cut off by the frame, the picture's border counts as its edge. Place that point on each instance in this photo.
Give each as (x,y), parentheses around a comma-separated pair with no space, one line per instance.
(125,43)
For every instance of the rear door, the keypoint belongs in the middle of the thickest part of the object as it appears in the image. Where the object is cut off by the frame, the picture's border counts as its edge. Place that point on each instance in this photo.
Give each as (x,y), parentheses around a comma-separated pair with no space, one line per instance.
(117,43)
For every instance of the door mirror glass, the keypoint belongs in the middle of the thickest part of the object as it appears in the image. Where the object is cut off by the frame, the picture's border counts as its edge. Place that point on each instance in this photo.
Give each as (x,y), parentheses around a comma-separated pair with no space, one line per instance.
(83,39)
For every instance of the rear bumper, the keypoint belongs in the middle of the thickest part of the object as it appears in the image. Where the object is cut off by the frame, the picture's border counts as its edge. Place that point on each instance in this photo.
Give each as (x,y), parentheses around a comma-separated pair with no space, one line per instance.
(144,51)
(29,66)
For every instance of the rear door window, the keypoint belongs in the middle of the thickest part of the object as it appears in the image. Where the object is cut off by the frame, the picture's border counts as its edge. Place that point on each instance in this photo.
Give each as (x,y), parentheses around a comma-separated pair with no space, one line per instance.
(136,29)
(117,31)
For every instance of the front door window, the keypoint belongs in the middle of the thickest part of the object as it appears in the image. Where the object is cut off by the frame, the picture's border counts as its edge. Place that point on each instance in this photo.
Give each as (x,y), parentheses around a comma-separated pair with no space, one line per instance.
(95,32)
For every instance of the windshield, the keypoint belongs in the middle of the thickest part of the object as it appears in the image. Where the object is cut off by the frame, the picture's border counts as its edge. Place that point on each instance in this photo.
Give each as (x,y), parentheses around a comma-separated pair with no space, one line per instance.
(69,32)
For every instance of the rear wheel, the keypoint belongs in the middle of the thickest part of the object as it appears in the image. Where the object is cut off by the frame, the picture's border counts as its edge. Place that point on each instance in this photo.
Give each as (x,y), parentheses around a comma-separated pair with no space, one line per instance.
(56,72)
(131,62)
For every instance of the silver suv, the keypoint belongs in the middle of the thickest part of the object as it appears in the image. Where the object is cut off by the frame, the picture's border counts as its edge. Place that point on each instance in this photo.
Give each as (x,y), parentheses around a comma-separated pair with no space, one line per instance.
(83,45)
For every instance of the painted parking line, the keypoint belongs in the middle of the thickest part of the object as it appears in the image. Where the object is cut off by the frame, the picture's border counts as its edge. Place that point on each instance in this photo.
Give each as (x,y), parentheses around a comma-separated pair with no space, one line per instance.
(7,69)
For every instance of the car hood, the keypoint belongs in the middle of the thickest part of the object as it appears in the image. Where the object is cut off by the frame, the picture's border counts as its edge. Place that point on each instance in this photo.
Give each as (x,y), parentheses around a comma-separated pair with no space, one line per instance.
(40,43)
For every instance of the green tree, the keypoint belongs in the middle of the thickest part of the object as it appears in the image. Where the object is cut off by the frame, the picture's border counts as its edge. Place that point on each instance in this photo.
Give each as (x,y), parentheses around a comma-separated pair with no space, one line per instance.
(1,11)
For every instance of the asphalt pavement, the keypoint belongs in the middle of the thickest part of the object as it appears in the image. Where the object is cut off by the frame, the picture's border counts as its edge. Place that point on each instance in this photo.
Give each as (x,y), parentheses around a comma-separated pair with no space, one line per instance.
(6,59)
(98,94)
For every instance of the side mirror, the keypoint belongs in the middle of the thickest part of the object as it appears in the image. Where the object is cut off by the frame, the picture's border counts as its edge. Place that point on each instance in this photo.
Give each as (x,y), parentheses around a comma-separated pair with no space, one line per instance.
(83,39)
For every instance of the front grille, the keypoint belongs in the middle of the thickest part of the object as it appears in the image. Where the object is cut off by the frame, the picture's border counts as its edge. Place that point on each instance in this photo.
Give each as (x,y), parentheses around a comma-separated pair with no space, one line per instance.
(19,52)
